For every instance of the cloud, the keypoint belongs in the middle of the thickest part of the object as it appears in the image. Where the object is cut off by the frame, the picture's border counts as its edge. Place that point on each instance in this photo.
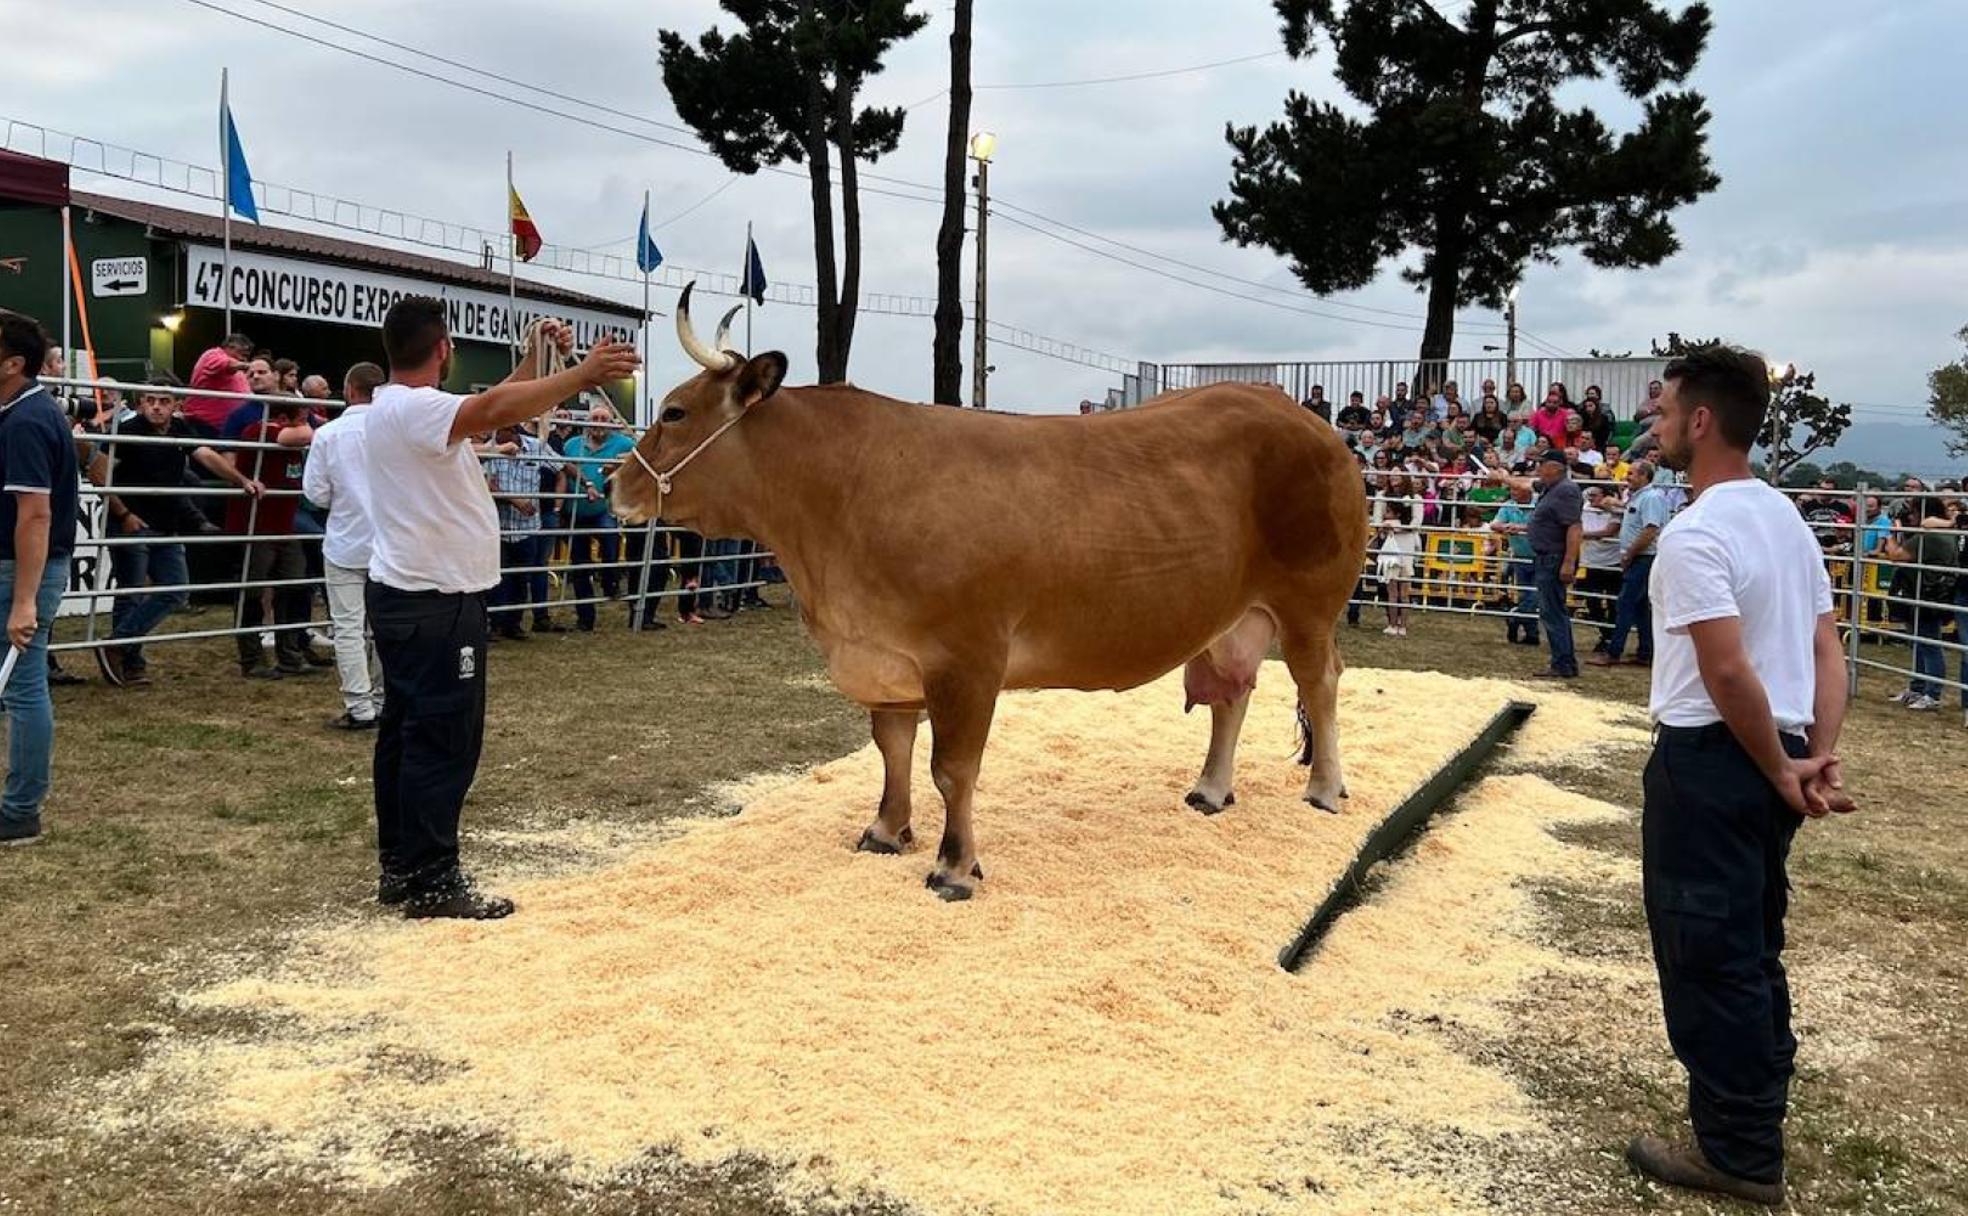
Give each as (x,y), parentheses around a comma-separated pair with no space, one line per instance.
(1835,238)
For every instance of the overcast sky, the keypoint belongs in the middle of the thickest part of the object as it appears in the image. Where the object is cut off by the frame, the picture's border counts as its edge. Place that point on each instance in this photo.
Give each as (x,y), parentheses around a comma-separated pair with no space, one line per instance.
(1836,239)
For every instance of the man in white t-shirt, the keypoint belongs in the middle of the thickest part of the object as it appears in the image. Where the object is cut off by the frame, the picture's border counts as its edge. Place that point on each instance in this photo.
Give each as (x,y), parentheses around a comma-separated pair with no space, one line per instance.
(1748,697)
(434,554)
(337,480)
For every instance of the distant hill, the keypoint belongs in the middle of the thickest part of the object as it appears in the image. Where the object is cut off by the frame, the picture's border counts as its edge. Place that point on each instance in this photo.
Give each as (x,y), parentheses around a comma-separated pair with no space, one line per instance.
(1894,448)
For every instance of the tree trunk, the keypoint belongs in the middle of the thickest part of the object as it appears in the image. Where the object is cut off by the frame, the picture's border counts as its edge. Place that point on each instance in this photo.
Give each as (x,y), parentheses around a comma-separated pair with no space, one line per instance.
(947,348)
(832,364)
(1438,332)
(845,88)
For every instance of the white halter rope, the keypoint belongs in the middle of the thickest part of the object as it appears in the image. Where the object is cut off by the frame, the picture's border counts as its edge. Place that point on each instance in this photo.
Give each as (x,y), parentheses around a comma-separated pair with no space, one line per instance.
(713,358)
(663,479)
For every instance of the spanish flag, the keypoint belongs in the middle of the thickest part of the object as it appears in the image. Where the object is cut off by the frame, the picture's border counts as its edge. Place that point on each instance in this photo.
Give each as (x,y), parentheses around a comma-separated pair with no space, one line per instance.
(526,238)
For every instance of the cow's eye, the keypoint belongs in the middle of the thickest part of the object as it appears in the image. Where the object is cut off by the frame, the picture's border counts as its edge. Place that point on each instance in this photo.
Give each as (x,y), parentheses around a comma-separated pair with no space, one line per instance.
(673,414)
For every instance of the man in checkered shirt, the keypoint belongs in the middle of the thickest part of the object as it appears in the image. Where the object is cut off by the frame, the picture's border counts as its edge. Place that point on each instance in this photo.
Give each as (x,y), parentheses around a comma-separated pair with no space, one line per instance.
(515,483)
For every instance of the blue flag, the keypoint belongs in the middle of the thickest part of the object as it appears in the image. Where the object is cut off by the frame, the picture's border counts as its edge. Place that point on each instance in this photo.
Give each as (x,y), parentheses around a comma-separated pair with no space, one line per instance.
(753,283)
(648,257)
(239,179)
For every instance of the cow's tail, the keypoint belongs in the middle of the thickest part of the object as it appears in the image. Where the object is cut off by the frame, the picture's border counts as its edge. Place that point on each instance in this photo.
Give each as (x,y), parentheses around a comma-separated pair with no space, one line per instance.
(1304,737)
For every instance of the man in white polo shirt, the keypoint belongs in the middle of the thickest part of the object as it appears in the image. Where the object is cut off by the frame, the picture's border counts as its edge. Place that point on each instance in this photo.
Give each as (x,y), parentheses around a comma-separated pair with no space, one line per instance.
(434,555)
(1748,697)
(337,479)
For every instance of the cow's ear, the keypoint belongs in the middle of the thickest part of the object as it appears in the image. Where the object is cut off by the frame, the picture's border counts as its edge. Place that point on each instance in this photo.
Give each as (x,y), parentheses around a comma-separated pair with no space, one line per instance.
(759,377)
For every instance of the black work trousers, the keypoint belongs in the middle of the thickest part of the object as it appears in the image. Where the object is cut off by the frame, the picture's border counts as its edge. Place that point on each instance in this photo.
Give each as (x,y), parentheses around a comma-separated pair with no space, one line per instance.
(432,647)
(1715,835)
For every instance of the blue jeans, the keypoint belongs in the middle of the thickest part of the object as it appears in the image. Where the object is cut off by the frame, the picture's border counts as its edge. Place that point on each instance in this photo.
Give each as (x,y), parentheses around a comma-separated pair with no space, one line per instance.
(589,547)
(517,550)
(1552,615)
(1524,575)
(1929,665)
(30,711)
(1636,611)
(539,587)
(1961,635)
(724,572)
(158,564)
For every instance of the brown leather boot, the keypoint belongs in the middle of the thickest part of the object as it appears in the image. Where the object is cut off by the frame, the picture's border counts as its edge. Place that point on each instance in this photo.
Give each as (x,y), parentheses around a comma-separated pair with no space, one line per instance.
(1684,1166)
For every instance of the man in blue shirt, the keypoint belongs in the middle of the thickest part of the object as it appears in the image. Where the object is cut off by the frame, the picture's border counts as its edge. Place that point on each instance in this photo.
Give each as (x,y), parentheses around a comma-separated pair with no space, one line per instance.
(1646,514)
(38,480)
(594,454)
(1513,521)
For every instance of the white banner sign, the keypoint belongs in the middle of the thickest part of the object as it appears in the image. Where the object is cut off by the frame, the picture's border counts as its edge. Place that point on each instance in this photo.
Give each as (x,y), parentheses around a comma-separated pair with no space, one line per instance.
(343,295)
(119,276)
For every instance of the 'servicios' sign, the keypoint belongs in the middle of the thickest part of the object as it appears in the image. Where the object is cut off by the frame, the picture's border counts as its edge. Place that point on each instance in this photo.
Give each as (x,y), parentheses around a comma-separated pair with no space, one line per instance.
(342,295)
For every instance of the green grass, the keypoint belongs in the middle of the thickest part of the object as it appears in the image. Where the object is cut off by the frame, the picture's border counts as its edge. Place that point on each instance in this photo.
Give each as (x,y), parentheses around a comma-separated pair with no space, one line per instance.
(205,816)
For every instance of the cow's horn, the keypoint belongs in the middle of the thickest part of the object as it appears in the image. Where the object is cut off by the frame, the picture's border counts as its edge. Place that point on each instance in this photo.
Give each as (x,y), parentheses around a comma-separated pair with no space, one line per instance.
(724,331)
(703,356)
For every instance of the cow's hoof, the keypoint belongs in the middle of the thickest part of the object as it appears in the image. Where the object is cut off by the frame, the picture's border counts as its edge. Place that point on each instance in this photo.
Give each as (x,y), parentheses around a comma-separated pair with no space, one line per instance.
(870,843)
(1329,808)
(948,889)
(1201,802)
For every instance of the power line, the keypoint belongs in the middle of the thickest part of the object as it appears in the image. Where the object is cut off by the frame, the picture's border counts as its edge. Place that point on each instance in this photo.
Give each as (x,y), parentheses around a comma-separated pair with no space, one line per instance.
(479,71)
(551,111)
(1100,80)
(1223,291)
(1260,285)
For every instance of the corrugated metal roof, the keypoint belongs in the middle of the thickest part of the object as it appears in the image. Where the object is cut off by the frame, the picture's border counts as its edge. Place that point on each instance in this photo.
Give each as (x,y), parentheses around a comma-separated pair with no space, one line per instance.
(190,225)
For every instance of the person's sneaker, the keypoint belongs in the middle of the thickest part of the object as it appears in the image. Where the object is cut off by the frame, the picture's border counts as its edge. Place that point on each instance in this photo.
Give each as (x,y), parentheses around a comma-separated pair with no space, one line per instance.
(135,675)
(548,626)
(1684,1166)
(1391,632)
(1901,698)
(15,832)
(1602,659)
(1636,662)
(316,659)
(1401,631)
(392,890)
(261,673)
(461,901)
(1923,705)
(1552,673)
(111,663)
(349,721)
(515,634)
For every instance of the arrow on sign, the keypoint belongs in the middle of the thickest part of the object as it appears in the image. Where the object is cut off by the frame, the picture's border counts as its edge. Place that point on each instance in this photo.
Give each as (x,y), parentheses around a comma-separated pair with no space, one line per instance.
(121,285)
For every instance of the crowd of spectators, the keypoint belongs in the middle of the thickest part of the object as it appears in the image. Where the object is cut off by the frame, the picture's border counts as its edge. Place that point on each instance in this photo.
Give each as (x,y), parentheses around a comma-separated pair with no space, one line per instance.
(248,479)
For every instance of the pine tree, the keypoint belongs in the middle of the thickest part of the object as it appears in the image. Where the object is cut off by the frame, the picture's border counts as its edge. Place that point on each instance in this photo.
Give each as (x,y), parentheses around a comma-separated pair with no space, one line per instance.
(1463,152)
(785,88)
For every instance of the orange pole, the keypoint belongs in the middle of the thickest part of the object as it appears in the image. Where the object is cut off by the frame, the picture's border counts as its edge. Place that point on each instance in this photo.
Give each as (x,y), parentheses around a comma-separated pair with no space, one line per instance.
(82,314)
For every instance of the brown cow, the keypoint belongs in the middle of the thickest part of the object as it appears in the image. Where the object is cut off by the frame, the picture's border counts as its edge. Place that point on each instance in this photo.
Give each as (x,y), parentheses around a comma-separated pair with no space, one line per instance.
(943,555)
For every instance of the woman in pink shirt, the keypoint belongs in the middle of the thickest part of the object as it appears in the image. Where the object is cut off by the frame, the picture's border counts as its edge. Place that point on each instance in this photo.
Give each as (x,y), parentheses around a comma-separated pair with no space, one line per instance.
(219,370)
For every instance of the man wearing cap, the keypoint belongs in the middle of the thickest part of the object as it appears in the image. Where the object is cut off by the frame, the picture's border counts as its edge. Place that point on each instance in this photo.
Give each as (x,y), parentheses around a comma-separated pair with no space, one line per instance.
(1556,531)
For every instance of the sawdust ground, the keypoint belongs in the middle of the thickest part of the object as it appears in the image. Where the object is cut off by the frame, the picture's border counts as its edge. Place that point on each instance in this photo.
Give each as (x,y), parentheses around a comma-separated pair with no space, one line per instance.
(1104,1029)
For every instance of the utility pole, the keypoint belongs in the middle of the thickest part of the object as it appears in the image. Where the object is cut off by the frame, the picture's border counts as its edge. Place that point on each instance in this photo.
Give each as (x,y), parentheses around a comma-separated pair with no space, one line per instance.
(1510,342)
(982,145)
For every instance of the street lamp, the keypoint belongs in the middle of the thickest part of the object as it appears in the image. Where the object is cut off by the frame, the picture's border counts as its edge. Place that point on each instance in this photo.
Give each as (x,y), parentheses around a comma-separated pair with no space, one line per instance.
(1510,342)
(982,146)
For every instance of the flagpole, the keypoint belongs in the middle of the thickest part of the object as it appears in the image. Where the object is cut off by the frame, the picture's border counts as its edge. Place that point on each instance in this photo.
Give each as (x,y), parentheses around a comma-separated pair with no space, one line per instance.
(645,406)
(751,289)
(512,269)
(225,175)
(68,305)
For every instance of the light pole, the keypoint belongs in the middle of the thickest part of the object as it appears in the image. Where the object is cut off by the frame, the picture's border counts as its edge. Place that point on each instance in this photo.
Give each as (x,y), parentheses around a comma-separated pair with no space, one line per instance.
(1510,342)
(982,146)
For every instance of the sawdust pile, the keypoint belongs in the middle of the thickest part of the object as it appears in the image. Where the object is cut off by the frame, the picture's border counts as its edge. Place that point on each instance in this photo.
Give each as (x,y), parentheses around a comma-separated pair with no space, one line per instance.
(1104,1029)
